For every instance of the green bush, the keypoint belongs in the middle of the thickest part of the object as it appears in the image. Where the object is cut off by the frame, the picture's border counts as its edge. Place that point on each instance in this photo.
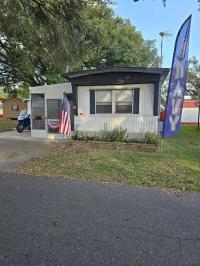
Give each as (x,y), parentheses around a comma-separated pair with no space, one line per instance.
(139,140)
(78,135)
(151,138)
(12,118)
(116,135)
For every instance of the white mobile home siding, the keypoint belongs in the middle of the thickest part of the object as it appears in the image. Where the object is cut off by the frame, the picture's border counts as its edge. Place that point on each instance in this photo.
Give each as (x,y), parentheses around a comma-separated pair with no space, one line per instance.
(134,123)
(54,91)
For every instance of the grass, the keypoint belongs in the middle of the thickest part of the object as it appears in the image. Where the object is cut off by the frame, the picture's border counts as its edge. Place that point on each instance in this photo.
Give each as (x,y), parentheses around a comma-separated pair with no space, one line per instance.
(176,167)
(6,124)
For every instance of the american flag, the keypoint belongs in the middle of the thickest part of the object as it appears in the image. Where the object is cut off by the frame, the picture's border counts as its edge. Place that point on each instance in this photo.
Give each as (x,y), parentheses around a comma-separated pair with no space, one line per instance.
(65,123)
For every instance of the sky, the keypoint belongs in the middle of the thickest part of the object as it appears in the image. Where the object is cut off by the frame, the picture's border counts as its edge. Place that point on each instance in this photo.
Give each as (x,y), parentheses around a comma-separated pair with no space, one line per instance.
(150,17)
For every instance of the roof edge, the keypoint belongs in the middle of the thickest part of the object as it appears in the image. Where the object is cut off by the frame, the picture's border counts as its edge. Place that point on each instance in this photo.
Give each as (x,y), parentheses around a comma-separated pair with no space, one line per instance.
(72,75)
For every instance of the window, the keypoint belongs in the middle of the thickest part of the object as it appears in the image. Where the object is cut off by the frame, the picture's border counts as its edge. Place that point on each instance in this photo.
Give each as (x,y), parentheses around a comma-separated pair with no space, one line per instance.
(53,113)
(103,102)
(123,101)
(15,107)
(37,111)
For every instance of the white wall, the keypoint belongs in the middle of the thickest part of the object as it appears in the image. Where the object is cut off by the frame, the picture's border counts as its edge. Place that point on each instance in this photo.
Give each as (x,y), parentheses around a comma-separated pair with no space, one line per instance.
(133,123)
(54,91)
(144,122)
(189,115)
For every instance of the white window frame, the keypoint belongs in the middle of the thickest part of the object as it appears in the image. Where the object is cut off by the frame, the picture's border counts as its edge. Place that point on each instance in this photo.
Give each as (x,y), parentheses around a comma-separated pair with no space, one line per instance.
(114,88)
(132,100)
(111,102)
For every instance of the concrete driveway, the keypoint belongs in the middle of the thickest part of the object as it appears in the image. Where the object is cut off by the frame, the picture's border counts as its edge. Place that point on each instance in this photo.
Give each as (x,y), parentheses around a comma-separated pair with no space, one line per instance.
(17,148)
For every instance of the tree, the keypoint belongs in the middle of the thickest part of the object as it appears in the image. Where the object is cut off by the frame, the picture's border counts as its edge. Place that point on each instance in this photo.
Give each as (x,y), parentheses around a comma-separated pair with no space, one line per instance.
(113,41)
(194,78)
(165,2)
(193,81)
(37,38)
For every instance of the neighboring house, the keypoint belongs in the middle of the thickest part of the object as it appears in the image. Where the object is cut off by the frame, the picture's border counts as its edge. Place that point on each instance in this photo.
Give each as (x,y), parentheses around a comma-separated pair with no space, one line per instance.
(12,107)
(1,107)
(107,98)
(190,112)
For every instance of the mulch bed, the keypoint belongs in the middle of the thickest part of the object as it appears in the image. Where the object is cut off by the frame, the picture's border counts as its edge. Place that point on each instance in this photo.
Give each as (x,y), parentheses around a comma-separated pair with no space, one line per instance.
(119,146)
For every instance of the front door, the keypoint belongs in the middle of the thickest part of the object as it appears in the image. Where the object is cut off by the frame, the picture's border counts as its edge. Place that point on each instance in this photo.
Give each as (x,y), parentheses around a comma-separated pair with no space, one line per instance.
(38,111)
(53,115)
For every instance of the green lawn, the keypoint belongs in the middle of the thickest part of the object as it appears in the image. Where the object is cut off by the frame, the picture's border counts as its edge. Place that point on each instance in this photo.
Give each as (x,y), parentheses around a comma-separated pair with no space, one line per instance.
(177,166)
(6,124)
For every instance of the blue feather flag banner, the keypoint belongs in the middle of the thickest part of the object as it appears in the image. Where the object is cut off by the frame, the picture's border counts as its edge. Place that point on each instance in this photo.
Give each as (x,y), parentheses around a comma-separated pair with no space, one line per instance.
(177,81)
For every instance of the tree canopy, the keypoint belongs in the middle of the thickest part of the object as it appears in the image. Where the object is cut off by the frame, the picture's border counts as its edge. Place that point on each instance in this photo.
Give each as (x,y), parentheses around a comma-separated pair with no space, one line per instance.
(194,78)
(113,41)
(39,39)
(193,81)
(165,2)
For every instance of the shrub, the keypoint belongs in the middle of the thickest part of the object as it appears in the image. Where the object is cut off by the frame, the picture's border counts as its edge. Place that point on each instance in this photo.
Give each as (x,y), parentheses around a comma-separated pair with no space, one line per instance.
(118,135)
(78,135)
(151,138)
(12,118)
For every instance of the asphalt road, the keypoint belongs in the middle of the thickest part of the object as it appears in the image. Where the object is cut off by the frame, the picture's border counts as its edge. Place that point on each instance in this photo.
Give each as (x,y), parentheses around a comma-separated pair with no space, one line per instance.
(57,221)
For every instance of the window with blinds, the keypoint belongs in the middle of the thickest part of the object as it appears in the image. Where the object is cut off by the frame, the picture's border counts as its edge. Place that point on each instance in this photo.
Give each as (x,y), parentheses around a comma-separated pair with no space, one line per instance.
(124,101)
(103,102)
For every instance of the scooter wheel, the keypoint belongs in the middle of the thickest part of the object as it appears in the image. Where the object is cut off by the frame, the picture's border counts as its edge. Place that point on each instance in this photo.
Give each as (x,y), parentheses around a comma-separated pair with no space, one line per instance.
(20,128)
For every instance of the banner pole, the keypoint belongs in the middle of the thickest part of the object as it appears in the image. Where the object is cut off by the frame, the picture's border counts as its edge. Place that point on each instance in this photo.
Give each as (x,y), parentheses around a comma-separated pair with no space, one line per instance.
(161,143)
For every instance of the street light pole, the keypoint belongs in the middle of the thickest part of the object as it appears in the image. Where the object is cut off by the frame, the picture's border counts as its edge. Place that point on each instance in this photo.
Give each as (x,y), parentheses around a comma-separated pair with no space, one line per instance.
(161,47)
(162,35)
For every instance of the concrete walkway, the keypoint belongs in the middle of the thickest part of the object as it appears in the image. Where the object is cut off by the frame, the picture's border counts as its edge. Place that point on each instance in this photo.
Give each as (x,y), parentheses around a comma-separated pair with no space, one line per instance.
(17,148)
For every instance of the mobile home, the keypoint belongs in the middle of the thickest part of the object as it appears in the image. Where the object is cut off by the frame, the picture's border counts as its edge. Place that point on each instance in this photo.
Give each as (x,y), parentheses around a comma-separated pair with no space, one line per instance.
(106,98)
